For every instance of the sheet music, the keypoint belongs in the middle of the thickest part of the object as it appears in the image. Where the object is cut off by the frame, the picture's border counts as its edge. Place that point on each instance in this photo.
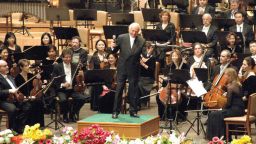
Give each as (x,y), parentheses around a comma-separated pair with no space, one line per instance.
(197,87)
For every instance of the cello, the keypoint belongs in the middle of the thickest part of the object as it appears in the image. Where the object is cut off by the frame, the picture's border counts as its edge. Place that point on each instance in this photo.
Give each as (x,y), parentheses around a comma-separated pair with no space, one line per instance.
(215,98)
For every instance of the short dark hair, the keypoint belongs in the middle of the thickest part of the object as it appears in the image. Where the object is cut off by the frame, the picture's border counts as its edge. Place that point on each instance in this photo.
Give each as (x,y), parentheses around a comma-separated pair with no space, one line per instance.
(239,12)
(76,37)
(252,42)
(7,36)
(67,52)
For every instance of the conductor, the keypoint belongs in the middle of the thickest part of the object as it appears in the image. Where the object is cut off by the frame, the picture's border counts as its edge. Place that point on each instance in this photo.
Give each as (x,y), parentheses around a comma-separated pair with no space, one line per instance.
(130,47)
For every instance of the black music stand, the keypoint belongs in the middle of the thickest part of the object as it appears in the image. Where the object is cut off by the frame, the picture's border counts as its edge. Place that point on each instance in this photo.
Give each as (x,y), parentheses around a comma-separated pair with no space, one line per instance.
(169,2)
(87,15)
(194,36)
(99,76)
(122,18)
(114,31)
(57,123)
(176,76)
(64,33)
(151,15)
(223,23)
(57,14)
(35,52)
(201,74)
(190,21)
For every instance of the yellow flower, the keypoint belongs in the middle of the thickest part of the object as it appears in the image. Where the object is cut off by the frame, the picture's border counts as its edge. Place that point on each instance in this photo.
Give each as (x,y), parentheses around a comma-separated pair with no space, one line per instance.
(47,132)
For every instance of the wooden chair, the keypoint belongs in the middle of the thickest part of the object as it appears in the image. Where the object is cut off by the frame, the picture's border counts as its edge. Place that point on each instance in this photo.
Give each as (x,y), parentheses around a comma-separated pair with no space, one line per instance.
(245,120)
(4,115)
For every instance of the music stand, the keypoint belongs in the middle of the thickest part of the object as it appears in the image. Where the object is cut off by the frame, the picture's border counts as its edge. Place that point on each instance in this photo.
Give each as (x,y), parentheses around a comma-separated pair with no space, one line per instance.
(176,76)
(223,23)
(151,15)
(190,21)
(86,15)
(35,52)
(122,18)
(110,31)
(194,36)
(57,14)
(201,74)
(99,76)
(57,123)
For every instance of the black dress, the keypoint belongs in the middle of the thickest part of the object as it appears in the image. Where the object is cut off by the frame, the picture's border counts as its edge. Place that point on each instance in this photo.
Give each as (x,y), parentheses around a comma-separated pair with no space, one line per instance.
(234,107)
(36,113)
(249,87)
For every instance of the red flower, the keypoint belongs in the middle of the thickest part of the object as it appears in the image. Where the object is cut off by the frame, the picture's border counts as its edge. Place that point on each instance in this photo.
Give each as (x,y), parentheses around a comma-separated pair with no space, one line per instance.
(48,141)
(215,139)
(41,142)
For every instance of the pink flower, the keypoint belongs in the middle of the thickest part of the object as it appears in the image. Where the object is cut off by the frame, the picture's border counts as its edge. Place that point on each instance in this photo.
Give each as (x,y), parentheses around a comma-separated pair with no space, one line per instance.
(215,139)
(48,141)
(210,142)
(41,142)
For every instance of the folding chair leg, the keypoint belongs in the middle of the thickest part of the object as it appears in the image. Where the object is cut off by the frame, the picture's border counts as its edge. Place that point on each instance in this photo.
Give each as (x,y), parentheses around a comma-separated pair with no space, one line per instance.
(227,133)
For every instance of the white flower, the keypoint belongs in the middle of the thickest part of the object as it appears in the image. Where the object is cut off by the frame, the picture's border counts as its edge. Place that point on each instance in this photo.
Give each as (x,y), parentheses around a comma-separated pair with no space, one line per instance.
(7,140)
(27,141)
(8,131)
(10,135)
(1,140)
(109,139)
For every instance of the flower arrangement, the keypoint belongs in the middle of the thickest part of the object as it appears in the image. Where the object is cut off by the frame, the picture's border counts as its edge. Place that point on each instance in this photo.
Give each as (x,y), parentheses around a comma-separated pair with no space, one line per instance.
(33,133)
(243,140)
(6,136)
(217,140)
(91,135)
(66,136)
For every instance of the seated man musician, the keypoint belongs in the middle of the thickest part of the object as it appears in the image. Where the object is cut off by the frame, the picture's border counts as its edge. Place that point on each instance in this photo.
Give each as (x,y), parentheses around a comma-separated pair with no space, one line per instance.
(65,87)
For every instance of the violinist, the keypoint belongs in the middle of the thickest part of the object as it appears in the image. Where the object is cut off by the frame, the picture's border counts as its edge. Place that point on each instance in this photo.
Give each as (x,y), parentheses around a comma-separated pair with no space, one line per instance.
(98,61)
(64,87)
(232,44)
(248,78)
(147,73)
(46,39)
(202,8)
(36,112)
(195,60)
(7,87)
(234,106)
(252,47)
(99,58)
(4,56)
(106,100)
(176,62)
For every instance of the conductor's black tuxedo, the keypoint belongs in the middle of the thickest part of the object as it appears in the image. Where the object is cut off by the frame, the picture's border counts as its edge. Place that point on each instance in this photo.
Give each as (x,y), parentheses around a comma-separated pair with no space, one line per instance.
(128,68)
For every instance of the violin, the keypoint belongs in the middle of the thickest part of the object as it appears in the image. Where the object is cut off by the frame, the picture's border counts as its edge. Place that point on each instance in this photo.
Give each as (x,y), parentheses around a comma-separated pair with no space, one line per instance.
(37,86)
(80,85)
(14,71)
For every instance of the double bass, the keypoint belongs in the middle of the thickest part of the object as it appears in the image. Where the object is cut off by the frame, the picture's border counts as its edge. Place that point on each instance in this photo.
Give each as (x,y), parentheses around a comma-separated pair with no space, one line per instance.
(215,98)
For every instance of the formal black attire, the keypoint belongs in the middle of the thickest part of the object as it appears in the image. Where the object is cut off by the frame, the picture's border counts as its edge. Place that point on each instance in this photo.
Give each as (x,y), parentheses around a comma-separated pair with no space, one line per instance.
(161,51)
(17,113)
(147,78)
(249,85)
(36,112)
(208,9)
(234,107)
(63,94)
(10,51)
(237,49)
(171,109)
(247,32)
(211,40)
(128,68)
(181,4)
(97,89)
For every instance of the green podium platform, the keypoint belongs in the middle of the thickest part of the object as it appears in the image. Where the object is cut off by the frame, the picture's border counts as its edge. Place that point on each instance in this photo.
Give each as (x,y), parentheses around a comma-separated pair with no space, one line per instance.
(124,125)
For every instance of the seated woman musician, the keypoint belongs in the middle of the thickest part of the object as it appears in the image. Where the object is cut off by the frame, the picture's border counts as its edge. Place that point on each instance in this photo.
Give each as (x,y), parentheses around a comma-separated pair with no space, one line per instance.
(234,106)
(4,56)
(98,61)
(176,62)
(147,73)
(36,113)
(46,39)
(106,99)
(232,44)
(247,77)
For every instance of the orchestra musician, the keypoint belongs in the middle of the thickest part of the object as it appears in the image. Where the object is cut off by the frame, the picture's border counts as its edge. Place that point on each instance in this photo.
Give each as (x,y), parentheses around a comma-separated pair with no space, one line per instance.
(210,32)
(36,112)
(64,87)
(98,61)
(203,8)
(4,54)
(242,27)
(232,44)
(248,78)
(176,62)
(147,73)
(252,47)
(106,101)
(131,46)
(17,113)
(168,27)
(10,42)
(46,39)
(234,7)
(234,106)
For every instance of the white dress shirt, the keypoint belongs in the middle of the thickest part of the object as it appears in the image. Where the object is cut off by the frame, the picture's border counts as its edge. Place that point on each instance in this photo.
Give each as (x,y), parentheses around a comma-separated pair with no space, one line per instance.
(67,70)
(131,41)
(206,29)
(9,81)
(239,28)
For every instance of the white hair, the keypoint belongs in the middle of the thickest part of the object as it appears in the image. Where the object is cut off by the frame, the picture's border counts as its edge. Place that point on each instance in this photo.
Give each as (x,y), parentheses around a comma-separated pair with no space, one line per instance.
(207,15)
(134,25)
